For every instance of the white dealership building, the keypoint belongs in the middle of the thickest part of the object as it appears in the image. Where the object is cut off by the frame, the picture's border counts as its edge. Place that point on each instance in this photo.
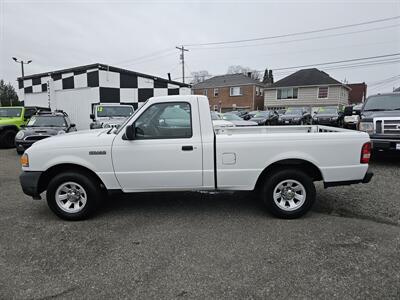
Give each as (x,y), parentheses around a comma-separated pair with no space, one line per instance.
(76,90)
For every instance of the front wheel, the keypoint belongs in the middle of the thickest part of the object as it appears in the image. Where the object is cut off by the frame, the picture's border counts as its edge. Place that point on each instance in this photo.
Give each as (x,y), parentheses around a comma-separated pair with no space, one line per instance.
(7,138)
(289,193)
(73,196)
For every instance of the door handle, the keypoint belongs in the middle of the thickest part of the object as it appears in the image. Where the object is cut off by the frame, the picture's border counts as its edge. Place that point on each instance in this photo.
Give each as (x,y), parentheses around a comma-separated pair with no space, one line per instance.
(187,148)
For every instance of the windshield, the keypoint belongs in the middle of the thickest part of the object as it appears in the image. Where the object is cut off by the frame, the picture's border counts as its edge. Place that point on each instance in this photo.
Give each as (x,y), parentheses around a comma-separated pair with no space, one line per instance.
(382,102)
(261,114)
(10,112)
(215,116)
(294,111)
(327,110)
(114,111)
(231,117)
(47,121)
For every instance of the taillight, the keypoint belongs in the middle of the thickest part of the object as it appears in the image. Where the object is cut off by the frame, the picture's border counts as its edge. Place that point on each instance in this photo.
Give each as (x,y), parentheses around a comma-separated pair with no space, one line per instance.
(365,153)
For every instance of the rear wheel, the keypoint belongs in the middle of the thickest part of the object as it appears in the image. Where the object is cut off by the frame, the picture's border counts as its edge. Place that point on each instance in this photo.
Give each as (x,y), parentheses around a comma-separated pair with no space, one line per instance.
(289,193)
(7,138)
(73,196)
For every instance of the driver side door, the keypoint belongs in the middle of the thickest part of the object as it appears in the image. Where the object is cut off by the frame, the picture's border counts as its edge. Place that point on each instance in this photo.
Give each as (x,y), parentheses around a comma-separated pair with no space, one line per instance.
(166,152)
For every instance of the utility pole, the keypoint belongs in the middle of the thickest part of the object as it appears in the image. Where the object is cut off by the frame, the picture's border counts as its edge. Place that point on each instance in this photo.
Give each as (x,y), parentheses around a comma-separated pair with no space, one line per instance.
(182,57)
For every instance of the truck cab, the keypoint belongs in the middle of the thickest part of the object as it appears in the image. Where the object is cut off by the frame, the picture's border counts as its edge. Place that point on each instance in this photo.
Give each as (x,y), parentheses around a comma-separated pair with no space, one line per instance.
(380,118)
(110,115)
(170,144)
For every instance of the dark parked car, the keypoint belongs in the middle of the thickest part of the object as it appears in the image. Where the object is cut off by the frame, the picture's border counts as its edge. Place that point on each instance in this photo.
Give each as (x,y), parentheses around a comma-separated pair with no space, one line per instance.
(239,113)
(250,115)
(295,116)
(268,117)
(329,115)
(238,121)
(41,126)
(380,117)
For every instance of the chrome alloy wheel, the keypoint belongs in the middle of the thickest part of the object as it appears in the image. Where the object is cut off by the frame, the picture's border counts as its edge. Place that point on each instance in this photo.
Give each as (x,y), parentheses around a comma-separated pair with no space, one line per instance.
(71,197)
(289,195)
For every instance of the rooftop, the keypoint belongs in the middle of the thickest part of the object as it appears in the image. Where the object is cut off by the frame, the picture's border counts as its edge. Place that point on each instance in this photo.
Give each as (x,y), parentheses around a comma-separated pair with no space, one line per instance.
(306,77)
(99,66)
(226,80)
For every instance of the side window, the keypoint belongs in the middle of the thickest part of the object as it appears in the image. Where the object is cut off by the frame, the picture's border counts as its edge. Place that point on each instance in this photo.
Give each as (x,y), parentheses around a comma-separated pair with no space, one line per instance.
(165,121)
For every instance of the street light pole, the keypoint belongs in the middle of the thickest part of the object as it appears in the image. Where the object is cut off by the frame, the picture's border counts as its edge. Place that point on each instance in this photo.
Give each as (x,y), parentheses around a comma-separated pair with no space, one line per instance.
(22,68)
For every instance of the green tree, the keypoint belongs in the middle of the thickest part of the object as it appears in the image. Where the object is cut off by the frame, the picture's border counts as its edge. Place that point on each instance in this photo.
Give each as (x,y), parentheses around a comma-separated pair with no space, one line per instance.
(8,96)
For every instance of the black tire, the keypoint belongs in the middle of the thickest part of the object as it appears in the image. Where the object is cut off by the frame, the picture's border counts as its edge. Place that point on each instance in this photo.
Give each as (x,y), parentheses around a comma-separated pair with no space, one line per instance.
(91,187)
(272,182)
(7,138)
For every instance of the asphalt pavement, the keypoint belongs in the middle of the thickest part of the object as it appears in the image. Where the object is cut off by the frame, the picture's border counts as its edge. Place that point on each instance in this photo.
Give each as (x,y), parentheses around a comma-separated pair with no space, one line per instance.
(192,245)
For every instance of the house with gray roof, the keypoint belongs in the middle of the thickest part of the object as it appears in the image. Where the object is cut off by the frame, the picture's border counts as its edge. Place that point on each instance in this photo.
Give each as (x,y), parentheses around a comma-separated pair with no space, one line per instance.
(232,92)
(307,88)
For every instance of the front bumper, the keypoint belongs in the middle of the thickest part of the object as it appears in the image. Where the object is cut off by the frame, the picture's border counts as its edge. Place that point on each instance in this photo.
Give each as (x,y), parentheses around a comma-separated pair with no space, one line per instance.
(30,183)
(367,178)
(385,142)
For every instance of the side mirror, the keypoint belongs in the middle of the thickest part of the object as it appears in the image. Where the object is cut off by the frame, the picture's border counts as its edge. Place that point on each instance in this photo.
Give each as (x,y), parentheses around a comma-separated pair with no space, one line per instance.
(72,125)
(130,132)
(92,116)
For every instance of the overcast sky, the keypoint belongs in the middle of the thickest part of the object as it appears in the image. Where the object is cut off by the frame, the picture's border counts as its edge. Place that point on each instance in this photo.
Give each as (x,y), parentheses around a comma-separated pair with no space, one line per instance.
(142,35)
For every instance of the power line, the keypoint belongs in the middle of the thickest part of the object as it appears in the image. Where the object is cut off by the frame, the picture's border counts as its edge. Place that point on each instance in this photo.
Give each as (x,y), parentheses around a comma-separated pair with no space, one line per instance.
(139,58)
(294,34)
(299,40)
(349,66)
(336,62)
(383,80)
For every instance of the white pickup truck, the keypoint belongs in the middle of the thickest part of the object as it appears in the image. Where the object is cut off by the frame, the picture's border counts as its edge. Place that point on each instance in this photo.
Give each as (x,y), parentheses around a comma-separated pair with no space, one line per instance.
(169,144)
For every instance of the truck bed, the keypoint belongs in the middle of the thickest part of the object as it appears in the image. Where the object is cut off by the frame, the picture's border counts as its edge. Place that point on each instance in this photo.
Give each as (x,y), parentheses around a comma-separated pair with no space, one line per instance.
(243,153)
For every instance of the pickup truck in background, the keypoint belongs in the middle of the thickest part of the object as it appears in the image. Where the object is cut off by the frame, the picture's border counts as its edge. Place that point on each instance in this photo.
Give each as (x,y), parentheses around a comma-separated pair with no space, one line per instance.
(380,118)
(169,144)
(110,115)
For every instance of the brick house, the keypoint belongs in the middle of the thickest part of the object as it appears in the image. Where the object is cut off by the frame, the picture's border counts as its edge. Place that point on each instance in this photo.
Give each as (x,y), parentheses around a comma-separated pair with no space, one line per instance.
(306,88)
(358,92)
(232,91)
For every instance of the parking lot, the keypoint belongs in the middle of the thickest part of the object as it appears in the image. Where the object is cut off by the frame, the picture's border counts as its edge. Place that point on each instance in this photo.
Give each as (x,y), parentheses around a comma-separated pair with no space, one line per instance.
(194,245)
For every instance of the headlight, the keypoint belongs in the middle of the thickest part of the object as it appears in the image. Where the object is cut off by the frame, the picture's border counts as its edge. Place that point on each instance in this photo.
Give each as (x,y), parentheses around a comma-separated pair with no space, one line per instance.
(24,160)
(296,119)
(334,118)
(61,132)
(19,135)
(367,127)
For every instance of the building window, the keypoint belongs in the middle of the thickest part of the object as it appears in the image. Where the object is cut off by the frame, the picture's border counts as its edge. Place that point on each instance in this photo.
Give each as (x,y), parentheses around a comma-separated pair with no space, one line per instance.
(205,92)
(216,92)
(235,91)
(323,92)
(287,93)
(257,90)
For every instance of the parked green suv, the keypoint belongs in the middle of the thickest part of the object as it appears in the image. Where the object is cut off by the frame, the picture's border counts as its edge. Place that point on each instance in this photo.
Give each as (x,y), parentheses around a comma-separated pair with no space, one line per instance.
(11,120)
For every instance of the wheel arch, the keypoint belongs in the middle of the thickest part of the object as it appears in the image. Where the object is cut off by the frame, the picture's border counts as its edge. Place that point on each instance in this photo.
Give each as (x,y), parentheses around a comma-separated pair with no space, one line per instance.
(300,164)
(9,127)
(47,175)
